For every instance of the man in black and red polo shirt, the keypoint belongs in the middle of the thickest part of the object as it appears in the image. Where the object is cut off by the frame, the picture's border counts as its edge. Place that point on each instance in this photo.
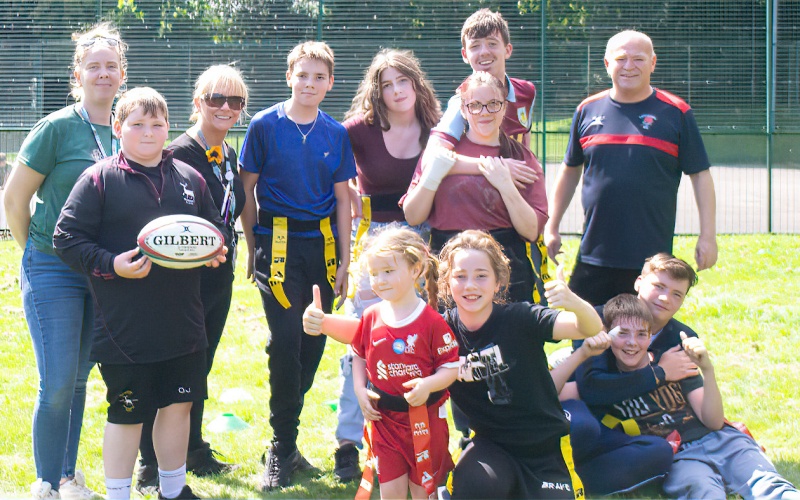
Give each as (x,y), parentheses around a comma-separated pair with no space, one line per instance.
(633,142)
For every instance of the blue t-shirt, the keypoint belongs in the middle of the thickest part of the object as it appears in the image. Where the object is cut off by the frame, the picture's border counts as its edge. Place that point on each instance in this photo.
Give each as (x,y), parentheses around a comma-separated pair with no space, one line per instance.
(634,155)
(296,178)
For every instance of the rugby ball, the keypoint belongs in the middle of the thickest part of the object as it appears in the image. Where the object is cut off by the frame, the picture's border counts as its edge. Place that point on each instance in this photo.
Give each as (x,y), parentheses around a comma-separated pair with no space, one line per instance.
(180,241)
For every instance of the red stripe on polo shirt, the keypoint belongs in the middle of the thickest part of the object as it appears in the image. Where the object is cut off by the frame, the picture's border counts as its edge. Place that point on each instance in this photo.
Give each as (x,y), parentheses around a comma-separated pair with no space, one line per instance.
(673,100)
(607,139)
(593,98)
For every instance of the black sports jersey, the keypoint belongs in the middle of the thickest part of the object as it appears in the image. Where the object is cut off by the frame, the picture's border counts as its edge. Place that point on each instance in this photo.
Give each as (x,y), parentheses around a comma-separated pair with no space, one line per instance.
(514,403)
(633,156)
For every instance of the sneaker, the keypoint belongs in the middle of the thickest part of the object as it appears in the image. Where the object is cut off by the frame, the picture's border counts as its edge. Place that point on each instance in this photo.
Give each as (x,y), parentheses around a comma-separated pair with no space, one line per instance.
(345,461)
(277,470)
(305,466)
(203,462)
(147,478)
(75,489)
(186,492)
(43,489)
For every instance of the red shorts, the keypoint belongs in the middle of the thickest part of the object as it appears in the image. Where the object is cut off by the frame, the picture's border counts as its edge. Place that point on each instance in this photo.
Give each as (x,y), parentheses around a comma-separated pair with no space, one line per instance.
(393,445)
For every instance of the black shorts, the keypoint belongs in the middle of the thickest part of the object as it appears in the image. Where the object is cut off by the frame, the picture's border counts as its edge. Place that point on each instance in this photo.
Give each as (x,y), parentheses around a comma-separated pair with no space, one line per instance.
(487,470)
(136,392)
(597,284)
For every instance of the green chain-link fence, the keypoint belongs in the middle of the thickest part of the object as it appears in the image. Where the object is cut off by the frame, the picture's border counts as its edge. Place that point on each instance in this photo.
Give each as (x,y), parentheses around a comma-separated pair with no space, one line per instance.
(737,62)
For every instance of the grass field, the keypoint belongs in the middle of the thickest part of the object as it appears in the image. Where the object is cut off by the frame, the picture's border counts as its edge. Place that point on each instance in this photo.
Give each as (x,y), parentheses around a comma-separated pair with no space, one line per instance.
(746,309)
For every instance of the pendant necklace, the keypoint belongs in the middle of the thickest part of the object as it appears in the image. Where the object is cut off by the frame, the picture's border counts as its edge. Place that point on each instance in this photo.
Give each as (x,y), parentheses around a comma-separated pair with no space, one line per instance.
(309,130)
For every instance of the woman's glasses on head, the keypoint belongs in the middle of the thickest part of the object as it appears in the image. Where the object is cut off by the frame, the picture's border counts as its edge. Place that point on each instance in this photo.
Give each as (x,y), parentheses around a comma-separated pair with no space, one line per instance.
(475,107)
(236,103)
(111,42)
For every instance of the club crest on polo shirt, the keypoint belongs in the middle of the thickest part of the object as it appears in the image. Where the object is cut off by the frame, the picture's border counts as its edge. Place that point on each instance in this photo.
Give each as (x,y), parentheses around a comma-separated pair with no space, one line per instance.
(647,121)
(524,119)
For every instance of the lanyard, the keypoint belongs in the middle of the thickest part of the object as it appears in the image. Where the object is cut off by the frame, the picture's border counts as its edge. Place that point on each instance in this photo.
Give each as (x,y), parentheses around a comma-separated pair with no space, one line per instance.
(85,116)
(228,201)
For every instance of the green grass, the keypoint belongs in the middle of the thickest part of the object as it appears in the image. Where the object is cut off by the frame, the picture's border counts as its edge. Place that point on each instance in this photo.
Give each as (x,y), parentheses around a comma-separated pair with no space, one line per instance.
(746,309)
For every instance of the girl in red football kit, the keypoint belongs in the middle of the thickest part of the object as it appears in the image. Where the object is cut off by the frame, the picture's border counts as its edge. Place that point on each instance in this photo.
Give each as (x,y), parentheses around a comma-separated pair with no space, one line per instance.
(406,357)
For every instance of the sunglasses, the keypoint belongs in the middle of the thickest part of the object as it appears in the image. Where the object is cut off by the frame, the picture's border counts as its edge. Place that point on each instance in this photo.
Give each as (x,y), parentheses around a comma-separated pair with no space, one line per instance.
(475,107)
(111,42)
(235,102)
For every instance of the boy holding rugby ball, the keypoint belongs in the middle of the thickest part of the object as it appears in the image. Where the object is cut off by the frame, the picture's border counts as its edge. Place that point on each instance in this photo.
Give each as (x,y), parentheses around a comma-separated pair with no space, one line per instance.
(149,332)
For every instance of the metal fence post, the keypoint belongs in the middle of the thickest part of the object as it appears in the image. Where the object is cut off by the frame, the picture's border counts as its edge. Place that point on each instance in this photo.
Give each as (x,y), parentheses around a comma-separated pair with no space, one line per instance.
(771,43)
(543,89)
(321,4)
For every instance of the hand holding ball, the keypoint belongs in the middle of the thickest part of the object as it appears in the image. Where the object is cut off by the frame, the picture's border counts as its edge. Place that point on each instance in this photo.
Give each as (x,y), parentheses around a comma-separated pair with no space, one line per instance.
(181,241)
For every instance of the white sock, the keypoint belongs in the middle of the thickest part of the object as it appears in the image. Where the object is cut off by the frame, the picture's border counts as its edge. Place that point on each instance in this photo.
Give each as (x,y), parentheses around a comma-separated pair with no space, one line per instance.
(118,489)
(172,481)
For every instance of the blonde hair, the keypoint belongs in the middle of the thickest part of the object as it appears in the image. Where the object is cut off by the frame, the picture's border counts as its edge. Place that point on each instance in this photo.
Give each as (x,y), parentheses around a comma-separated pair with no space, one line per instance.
(216,78)
(106,34)
(408,245)
(473,240)
(319,51)
(483,23)
(151,102)
(368,100)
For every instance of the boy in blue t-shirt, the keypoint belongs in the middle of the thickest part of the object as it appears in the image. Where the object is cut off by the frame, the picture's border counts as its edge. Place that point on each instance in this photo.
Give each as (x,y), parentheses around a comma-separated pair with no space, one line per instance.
(295,164)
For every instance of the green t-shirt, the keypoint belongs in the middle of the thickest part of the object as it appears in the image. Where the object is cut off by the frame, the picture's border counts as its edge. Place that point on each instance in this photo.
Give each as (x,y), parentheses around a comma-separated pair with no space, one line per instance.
(60,147)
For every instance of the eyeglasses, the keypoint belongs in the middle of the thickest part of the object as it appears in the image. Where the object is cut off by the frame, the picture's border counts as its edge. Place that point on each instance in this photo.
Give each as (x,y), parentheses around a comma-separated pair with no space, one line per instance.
(235,102)
(111,42)
(475,107)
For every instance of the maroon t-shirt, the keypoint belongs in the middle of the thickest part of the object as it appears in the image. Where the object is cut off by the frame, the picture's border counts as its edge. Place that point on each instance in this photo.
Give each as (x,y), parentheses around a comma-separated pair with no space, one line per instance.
(471,202)
(380,175)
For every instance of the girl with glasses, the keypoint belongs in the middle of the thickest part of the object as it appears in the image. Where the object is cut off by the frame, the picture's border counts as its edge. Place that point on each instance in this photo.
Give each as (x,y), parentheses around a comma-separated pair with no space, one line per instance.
(492,202)
(57,301)
(220,96)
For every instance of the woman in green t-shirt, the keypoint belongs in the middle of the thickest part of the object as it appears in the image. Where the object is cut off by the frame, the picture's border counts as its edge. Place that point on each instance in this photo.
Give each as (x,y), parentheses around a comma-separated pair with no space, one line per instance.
(57,301)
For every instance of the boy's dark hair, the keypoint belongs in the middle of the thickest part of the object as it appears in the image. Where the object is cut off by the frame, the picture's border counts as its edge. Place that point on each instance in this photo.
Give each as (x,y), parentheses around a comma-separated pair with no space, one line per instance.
(677,269)
(151,102)
(319,51)
(626,306)
(483,23)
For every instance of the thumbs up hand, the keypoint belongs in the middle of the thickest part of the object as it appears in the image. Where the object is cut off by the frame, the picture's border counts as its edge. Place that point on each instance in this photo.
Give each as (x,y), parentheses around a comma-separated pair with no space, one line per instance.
(560,273)
(314,315)
(558,293)
(697,352)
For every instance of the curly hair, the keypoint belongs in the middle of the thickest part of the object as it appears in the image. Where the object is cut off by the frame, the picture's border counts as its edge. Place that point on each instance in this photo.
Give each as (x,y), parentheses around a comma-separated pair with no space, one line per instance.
(368,101)
(473,240)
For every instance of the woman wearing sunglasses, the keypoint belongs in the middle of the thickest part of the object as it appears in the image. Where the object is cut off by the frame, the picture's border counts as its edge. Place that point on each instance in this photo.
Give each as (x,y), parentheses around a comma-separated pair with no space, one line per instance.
(220,95)
(491,202)
(57,302)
